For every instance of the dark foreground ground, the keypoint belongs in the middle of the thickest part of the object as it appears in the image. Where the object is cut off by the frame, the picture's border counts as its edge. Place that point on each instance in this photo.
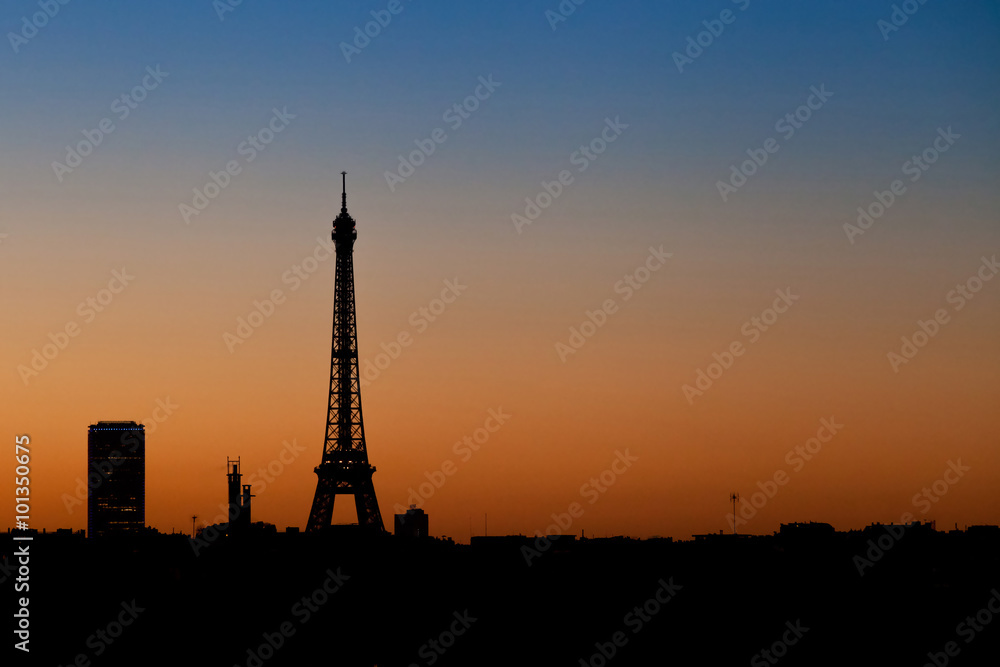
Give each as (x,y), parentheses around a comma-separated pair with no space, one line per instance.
(338,600)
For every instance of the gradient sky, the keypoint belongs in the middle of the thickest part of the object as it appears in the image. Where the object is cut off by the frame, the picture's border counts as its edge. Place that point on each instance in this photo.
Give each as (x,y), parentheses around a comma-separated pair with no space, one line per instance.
(161,338)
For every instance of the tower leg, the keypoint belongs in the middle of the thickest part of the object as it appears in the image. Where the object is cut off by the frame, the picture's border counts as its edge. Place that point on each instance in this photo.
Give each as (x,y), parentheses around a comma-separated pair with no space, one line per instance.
(321,513)
(367,505)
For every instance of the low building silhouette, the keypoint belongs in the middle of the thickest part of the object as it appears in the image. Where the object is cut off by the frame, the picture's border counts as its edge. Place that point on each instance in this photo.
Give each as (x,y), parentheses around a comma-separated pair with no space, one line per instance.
(412,524)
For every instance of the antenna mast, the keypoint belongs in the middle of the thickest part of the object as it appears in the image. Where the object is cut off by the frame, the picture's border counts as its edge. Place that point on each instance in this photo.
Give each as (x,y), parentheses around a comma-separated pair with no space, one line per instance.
(734,497)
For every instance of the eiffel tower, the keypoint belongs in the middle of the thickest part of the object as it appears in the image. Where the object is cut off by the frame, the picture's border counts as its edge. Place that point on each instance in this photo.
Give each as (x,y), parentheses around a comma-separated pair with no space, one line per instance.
(345,469)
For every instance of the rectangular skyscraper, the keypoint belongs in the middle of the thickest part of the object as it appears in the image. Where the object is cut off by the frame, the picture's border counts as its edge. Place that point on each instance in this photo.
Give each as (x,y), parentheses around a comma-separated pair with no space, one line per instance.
(116,451)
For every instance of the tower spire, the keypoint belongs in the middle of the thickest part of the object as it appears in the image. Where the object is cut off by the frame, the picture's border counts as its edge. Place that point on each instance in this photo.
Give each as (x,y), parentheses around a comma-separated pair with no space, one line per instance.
(343,198)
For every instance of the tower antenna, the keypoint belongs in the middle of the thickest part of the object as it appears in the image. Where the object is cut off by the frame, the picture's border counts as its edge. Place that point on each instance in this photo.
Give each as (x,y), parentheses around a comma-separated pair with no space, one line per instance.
(343,197)
(734,497)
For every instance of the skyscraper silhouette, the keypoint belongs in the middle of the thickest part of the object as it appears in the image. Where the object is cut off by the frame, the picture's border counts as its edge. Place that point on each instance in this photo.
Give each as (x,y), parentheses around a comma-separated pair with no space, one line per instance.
(344,468)
(116,461)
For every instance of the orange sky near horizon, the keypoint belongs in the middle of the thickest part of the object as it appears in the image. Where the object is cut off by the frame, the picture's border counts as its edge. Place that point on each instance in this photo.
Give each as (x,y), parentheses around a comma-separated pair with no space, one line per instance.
(494,348)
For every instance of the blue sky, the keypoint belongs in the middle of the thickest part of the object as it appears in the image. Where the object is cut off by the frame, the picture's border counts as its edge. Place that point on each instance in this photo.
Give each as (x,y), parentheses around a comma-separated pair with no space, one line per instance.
(606,58)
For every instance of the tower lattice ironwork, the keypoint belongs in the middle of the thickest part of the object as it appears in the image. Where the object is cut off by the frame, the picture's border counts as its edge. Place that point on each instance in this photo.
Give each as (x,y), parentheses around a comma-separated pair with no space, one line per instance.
(344,469)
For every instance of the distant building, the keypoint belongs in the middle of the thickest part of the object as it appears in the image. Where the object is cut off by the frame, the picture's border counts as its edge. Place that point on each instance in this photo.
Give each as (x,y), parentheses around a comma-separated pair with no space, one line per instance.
(721,536)
(501,542)
(983,531)
(412,524)
(807,531)
(239,498)
(530,546)
(116,452)
(924,528)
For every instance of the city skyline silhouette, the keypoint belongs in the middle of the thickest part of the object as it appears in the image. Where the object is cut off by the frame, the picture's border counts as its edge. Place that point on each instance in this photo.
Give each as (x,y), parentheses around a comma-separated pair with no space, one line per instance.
(675,326)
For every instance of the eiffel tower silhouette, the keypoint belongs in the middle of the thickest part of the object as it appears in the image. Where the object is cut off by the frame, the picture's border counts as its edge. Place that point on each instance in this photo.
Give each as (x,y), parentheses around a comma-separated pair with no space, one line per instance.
(345,469)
